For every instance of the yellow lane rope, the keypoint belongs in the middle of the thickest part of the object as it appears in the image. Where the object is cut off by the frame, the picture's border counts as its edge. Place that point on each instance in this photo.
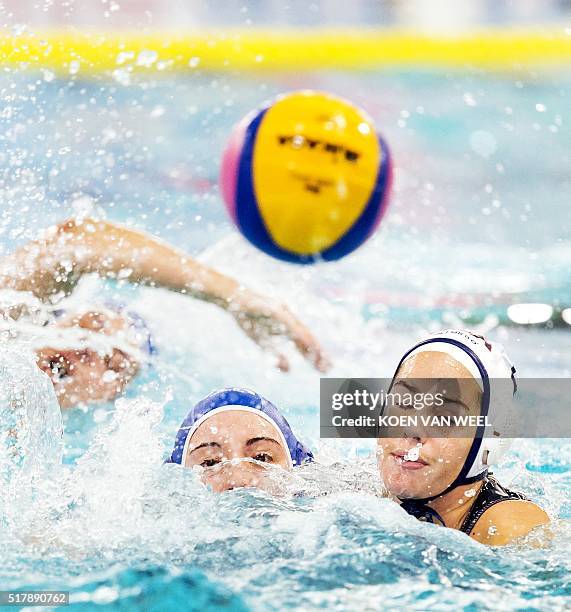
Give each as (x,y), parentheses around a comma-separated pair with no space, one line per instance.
(96,52)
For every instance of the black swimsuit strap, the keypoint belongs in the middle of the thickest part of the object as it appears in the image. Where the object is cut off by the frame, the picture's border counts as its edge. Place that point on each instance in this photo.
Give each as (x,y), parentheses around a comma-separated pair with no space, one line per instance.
(490,494)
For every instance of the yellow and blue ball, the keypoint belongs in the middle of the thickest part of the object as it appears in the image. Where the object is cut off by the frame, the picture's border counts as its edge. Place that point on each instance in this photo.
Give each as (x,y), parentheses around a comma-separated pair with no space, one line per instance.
(307,177)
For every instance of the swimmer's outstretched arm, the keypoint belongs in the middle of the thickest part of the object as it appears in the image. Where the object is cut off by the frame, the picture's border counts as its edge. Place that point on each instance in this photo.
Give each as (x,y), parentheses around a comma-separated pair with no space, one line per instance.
(52,266)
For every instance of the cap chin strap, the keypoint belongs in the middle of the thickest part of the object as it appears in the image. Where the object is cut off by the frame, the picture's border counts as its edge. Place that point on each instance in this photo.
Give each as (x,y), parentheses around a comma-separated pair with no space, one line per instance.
(421,511)
(418,507)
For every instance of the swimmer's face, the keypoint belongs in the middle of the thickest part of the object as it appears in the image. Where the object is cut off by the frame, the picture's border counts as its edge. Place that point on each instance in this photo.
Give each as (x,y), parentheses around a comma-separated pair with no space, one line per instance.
(439,459)
(235,450)
(86,375)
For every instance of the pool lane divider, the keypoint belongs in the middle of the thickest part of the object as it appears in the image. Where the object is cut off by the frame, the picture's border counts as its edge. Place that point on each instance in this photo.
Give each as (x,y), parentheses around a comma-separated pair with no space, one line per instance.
(95,53)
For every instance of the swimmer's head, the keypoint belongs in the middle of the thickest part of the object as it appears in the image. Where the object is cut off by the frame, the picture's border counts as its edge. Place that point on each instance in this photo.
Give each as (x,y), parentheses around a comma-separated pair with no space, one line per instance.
(415,466)
(90,356)
(234,436)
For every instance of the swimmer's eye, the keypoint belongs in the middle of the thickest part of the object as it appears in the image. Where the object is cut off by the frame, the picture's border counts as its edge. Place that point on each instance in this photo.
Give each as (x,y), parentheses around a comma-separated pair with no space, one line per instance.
(263,457)
(398,404)
(209,462)
(351,156)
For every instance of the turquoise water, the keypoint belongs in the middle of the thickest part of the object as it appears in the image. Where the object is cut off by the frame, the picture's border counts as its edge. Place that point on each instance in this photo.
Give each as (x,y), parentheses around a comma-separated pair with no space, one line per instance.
(479,219)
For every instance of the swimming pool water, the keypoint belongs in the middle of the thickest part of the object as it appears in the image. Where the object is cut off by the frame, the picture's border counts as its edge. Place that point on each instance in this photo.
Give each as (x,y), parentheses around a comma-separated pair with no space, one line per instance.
(480,211)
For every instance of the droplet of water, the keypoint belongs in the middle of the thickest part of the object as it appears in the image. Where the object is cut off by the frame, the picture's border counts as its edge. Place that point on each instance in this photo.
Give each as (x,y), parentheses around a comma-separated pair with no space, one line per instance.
(469,99)
(122,76)
(413,454)
(483,143)
(123,57)
(147,58)
(109,376)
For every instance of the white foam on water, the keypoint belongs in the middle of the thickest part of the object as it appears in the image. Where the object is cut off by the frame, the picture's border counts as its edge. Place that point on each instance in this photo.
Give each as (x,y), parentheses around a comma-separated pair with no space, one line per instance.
(30,418)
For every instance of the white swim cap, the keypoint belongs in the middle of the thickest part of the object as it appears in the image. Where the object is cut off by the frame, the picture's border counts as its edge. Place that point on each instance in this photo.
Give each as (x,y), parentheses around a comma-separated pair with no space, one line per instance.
(489,365)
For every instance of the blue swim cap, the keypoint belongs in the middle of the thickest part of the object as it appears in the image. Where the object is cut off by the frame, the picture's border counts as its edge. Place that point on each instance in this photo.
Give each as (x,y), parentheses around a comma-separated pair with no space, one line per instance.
(236,398)
(137,325)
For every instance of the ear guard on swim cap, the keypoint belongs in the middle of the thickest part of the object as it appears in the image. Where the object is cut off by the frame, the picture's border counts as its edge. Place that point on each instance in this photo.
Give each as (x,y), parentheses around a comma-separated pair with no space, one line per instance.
(139,332)
(494,449)
(236,399)
(485,360)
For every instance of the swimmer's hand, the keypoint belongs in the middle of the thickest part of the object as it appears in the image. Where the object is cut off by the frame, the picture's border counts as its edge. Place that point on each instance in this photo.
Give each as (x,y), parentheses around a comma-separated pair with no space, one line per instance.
(262,318)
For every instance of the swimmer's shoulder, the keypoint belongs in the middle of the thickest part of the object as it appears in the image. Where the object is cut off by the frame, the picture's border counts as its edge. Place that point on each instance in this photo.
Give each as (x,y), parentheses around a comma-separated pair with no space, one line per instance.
(506,521)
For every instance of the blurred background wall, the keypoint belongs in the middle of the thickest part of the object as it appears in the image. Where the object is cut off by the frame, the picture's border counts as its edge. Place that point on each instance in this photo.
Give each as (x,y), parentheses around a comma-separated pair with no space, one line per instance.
(439,15)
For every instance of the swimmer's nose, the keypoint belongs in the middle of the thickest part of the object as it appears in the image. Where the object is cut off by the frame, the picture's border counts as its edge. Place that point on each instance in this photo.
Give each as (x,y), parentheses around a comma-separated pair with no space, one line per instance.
(230,485)
(414,435)
(234,477)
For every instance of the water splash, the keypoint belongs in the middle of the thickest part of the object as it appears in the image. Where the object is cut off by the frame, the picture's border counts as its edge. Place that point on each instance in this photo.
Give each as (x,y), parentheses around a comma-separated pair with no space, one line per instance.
(30,418)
